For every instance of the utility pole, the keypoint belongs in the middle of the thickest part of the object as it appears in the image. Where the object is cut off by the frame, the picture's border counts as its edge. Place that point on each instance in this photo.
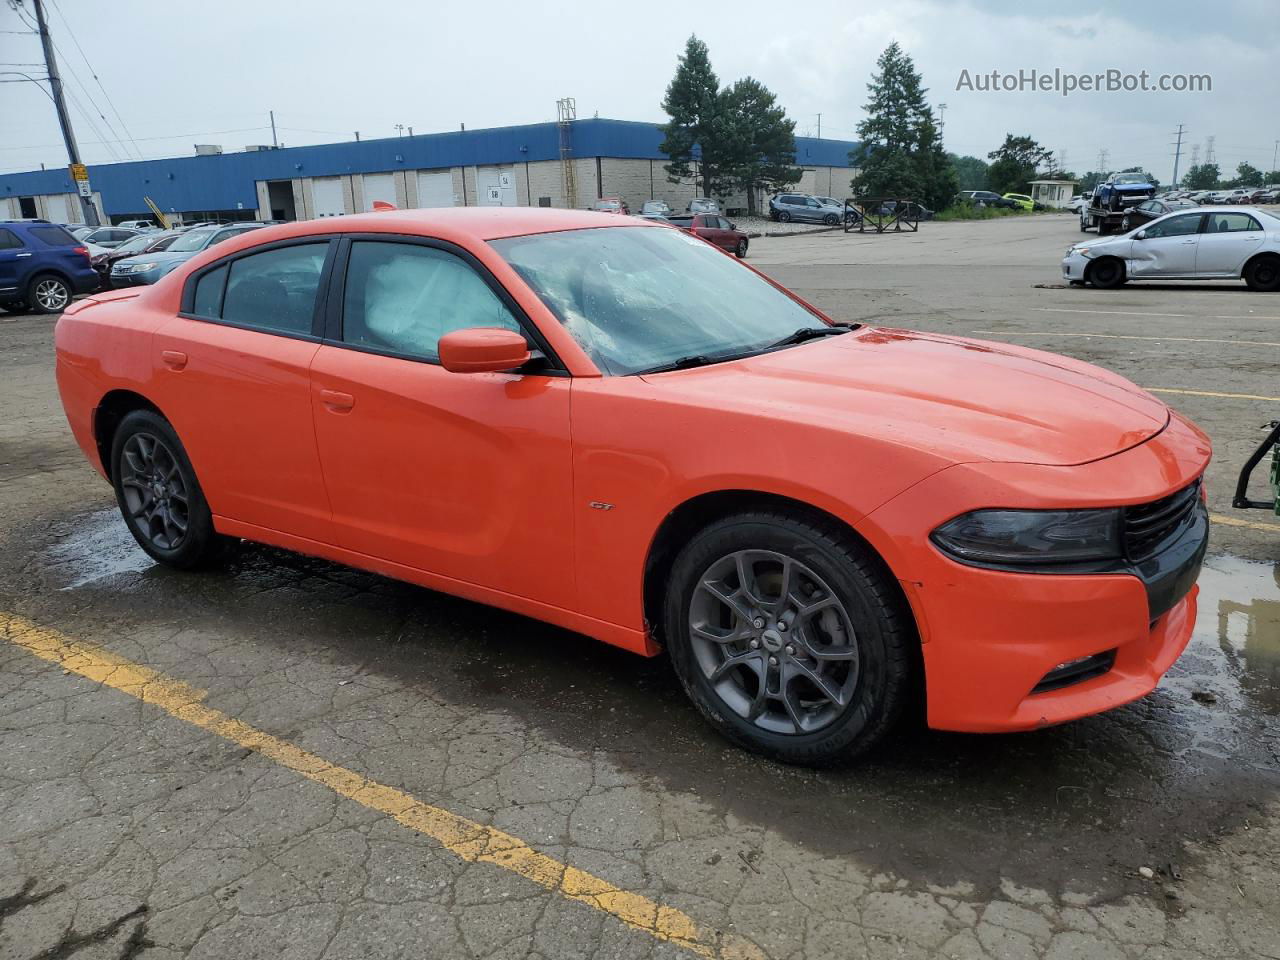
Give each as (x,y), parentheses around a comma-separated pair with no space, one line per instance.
(1177,155)
(357,136)
(60,104)
(274,142)
(942,120)
(1274,154)
(1102,161)
(1208,150)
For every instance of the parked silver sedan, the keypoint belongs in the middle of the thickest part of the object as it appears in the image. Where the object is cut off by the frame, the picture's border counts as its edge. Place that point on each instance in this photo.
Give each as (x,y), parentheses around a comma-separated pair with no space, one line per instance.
(1218,243)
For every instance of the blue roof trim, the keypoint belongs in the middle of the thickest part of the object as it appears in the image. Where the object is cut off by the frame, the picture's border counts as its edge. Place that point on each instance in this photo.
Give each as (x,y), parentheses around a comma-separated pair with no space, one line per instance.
(227,180)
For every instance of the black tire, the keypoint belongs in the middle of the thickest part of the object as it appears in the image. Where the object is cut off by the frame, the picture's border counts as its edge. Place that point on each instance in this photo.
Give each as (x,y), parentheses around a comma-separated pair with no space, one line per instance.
(784,216)
(166,503)
(1124,224)
(48,293)
(880,631)
(1084,226)
(740,251)
(831,219)
(1263,274)
(1106,273)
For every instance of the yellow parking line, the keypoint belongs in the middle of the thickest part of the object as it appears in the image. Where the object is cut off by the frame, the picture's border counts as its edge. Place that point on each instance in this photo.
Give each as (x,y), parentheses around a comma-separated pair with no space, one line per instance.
(1211,393)
(1124,336)
(1251,524)
(464,838)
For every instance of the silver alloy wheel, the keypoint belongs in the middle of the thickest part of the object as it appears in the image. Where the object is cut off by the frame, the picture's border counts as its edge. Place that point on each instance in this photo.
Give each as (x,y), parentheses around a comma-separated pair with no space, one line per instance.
(51,294)
(774,641)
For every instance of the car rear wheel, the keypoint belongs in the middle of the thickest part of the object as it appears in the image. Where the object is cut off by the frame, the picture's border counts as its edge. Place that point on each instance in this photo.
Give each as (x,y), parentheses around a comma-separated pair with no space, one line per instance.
(741,250)
(1107,273)
(48,294)
(784,216)
(789,638)
(159,496)
(1263,274)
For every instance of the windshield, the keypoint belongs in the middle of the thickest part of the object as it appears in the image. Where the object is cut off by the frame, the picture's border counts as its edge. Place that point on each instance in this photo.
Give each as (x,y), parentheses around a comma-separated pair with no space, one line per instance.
(640,297)
(136,245)
(1130,178)
(195,240)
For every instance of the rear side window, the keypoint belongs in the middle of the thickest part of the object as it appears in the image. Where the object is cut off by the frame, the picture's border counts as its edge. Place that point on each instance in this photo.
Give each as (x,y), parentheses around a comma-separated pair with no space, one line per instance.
(53,236)
(1231,223)
(208,298)
(402,298)
(273,291)
(9,240)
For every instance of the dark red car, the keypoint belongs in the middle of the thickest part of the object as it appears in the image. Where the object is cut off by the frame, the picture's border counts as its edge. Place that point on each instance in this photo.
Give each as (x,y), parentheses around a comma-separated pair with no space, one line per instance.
(143,243)
(714,229)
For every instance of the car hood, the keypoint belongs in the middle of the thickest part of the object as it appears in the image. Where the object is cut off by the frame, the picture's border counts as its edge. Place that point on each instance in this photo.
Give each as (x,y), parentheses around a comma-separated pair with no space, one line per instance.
(967,400)
(162,256)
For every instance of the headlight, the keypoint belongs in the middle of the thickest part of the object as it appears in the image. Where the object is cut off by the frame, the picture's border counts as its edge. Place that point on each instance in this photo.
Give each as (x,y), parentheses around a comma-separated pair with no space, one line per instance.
(1031,537)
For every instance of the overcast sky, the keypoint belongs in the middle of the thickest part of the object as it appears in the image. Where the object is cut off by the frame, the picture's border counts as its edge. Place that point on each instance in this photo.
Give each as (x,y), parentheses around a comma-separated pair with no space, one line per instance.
(182,72)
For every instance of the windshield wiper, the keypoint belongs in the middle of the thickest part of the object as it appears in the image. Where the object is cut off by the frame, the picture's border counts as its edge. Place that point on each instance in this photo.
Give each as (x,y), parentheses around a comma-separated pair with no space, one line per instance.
(806,333)
(685,363)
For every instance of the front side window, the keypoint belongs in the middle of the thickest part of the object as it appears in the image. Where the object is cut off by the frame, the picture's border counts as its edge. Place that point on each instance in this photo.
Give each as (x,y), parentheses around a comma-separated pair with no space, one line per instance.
(274,290)
(1175,226)
(637,297)
(1231,223)
(402,298)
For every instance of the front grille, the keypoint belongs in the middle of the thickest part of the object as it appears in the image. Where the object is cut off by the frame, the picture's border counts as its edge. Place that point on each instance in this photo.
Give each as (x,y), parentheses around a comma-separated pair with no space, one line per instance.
(1148,525)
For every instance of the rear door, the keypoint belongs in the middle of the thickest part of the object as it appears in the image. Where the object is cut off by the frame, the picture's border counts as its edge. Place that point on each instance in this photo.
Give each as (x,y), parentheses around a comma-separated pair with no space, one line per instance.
(233,376)
(14,256)
(1228,240)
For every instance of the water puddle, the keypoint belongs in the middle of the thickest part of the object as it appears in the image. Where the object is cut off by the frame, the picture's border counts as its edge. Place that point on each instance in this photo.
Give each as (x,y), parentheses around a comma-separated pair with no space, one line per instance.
(1240,615)
(100,547)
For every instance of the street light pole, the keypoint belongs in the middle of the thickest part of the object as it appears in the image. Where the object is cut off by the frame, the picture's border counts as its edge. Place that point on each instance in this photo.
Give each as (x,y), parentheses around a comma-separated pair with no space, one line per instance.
(60,105)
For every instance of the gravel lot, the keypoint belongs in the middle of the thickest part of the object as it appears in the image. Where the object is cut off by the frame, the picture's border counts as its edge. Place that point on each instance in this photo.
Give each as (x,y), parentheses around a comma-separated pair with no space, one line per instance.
(332,765)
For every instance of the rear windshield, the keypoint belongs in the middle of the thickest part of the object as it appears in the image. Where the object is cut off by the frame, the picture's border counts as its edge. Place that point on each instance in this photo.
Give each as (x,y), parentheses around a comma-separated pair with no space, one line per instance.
(54,236)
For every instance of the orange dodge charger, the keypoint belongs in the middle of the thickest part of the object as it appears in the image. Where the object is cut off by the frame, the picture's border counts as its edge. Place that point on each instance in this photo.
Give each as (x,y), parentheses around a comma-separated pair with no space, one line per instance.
(613,426)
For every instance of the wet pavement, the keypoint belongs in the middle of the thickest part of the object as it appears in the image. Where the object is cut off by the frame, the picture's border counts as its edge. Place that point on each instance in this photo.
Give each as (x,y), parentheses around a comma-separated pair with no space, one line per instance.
(1149,832)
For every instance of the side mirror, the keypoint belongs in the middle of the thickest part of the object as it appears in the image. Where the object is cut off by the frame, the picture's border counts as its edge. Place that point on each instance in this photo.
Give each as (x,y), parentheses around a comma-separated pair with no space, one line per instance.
(1140,235)
(483,350)
(733,226)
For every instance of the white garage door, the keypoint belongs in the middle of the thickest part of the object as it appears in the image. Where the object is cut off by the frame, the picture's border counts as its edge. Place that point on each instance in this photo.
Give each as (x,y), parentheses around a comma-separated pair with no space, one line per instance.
(435,188)
(379,186)
(327,192)
(55,207)
(496,186)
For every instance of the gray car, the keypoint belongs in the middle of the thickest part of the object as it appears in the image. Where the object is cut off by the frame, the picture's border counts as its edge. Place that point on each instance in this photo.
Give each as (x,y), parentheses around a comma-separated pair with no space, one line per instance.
(788,207)
(147,268)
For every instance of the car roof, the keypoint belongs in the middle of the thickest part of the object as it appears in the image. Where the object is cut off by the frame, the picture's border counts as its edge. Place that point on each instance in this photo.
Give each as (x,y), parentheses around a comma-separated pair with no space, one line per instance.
(476,223)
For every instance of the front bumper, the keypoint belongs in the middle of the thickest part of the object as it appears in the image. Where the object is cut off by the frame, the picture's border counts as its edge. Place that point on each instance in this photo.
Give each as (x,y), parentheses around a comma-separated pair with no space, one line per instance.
(119,281)
(990,637)
(1073,266)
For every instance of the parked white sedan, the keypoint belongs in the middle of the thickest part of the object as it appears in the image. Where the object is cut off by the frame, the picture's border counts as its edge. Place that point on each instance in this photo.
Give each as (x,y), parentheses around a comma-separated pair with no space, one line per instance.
(1216,243)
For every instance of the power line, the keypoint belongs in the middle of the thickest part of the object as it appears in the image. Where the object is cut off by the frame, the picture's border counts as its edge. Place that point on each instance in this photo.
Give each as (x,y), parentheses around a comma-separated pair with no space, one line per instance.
(71,33)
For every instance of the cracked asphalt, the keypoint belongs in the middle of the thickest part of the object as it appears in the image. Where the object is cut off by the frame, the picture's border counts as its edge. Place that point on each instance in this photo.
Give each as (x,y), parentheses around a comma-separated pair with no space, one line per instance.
(130,830)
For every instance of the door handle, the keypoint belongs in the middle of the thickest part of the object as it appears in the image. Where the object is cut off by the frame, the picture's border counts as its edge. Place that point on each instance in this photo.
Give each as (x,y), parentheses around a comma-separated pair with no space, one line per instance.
(336,401)
(173,359)
(17,256)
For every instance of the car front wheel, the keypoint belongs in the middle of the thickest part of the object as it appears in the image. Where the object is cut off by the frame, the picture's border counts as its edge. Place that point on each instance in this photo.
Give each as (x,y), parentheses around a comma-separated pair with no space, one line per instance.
(1107,273)
(48,294)
(789,638)
(784,216)
(159,496)
(741,250)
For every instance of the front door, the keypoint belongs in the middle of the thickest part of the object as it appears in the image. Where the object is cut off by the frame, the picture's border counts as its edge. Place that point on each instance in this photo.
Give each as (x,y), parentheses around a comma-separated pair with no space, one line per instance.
(1167,249)
(466,476)
(232,376)
(1229,239)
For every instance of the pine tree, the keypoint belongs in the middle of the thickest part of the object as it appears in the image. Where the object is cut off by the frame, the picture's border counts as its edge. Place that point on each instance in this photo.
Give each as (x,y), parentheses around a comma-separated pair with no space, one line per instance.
(694,103)
(759,143)
(901,154)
